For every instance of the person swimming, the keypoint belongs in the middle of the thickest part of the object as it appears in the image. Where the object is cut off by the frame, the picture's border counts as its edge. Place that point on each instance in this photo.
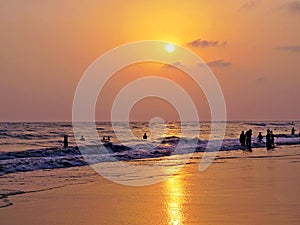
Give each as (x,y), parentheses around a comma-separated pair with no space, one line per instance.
(106,139)
(82,138)
(260,138)
(145,136)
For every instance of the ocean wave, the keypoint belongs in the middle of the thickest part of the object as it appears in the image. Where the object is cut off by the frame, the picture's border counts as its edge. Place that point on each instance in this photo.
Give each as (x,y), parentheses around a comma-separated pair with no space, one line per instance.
(257,124)
(50,158)
(25,136)
(282,124)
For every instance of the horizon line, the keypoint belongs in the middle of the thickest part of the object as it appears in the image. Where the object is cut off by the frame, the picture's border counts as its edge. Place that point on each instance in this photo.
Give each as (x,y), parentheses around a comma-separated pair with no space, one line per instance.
(143,121)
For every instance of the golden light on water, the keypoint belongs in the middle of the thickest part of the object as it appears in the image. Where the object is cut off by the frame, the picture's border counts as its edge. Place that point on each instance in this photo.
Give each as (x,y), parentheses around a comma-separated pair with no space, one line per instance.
(174,200)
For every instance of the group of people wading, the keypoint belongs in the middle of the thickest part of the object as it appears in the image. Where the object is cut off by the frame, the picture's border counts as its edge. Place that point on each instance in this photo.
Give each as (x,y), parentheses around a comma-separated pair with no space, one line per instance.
(246,137)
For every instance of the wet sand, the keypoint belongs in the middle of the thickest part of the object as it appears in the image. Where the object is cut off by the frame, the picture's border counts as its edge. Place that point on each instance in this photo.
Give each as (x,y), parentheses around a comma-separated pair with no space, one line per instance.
(231,191)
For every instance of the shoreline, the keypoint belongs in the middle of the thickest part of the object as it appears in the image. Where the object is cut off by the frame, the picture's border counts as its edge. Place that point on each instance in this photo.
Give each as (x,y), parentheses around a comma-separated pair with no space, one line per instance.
(52,158)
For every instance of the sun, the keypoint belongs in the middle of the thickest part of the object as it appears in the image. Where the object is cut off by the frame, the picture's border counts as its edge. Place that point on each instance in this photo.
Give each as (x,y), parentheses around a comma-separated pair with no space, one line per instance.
(170,48)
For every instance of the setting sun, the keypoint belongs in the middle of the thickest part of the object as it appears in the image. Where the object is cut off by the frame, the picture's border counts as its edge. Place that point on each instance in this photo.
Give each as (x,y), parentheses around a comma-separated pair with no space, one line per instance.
(170,48)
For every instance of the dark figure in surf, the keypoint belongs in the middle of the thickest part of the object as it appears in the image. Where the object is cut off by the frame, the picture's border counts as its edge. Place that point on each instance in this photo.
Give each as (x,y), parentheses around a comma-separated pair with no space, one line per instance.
(248,139)
(243,139)
(268,140)
(106,139)
(293,131)
(260,138)
(82,138)
(66,141)
(145,136)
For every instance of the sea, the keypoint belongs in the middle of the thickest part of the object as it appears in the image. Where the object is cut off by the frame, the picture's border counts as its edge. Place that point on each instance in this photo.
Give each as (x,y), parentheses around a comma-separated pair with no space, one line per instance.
(37,146)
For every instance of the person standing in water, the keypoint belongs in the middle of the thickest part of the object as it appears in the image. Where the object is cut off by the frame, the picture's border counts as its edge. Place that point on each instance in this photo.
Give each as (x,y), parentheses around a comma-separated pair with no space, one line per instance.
(268,140)
(248,138)
(293,131)
(243,139)
(66,141)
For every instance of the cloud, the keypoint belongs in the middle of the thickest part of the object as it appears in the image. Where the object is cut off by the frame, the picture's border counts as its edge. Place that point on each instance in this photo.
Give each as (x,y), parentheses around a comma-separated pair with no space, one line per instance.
(199,43)
(249,5)
(219,63)
(260,79)
(289,48)
(292,7)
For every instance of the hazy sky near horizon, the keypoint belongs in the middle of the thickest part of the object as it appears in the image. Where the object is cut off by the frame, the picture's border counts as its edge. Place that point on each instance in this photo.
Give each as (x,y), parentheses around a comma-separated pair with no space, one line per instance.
(252,46)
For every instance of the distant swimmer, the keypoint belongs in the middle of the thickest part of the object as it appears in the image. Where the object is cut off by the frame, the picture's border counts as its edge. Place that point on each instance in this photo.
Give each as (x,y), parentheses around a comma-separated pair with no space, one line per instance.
(106,138)
(243,139)
(293,131)
(260,138)
(66,141)
(82,138)
(145,136)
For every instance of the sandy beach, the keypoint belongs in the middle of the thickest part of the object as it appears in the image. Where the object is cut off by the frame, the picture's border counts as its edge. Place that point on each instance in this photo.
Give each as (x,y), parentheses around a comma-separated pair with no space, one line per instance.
(249,189)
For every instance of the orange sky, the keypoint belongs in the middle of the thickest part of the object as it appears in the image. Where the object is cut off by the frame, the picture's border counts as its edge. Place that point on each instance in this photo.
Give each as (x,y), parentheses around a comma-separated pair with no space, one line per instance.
(252,46)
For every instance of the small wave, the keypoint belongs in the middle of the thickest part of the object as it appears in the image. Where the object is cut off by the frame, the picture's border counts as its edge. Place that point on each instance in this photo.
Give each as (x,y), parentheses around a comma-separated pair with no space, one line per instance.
(257,124)
(51,158)
(4,194)
(24,136)
(170,139)
(281,124)
(66,125)
(116,148)
(134,127)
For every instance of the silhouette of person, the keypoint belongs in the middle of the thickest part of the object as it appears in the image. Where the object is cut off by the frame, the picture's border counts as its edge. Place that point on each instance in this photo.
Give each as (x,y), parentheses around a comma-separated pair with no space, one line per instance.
(145,136)
(293,131)
(260,138)
(243,139)
(66,141)
(248,138)
(82,138)
(268,140)
(106,138)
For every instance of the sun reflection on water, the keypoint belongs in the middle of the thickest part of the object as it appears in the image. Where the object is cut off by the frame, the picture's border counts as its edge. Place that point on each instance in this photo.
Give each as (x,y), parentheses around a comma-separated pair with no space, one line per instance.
(174,200)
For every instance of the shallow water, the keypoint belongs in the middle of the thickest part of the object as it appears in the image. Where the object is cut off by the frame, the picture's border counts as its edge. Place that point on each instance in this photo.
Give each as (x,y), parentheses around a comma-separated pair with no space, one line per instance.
(259,187)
